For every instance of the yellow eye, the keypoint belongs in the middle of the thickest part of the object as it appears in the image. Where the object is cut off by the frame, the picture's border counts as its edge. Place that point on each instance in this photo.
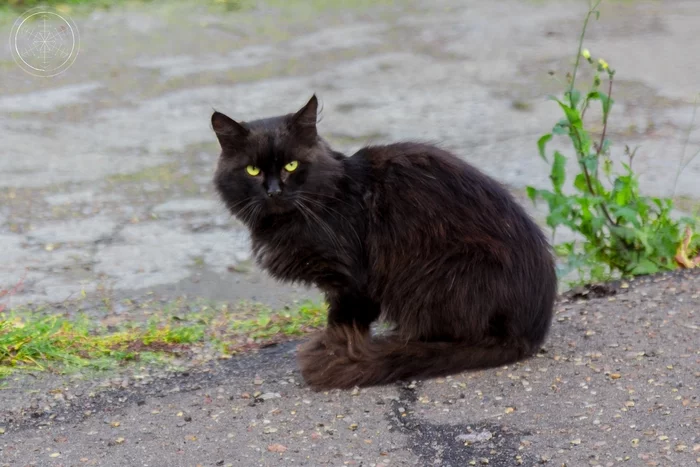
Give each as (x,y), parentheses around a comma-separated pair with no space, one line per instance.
(252,170)
(292,166)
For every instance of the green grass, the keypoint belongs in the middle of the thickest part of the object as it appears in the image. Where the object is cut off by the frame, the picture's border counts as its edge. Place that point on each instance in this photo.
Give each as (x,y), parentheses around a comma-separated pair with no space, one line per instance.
(292,322)
(34,341)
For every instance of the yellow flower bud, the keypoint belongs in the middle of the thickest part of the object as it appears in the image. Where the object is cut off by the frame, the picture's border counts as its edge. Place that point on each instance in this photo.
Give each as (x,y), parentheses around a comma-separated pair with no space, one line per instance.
(603,64)
(585,53)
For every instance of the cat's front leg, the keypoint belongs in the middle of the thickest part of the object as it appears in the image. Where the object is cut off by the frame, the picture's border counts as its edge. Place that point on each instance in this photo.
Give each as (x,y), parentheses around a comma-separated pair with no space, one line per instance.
(350,308)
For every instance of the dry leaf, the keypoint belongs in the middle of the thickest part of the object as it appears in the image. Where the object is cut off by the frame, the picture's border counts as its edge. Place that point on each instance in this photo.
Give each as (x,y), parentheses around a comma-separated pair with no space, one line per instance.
(683,254)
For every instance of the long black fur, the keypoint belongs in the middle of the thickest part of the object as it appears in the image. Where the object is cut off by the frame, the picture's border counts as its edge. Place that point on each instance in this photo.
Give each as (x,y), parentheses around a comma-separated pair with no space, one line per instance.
(407,231)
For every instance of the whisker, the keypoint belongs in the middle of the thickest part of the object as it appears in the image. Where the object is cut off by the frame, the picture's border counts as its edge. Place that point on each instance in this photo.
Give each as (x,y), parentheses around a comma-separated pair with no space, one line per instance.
(311,216)
(234,206)
(333,197)
(246,214)
(326,228)
(330,209)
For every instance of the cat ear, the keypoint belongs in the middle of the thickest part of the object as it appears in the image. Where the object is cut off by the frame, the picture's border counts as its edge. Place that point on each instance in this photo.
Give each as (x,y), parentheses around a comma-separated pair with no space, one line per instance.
(303,123)
(228,131)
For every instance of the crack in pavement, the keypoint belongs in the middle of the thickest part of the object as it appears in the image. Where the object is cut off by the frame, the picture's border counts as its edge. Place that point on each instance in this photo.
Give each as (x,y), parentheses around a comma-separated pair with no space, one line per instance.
(455,445)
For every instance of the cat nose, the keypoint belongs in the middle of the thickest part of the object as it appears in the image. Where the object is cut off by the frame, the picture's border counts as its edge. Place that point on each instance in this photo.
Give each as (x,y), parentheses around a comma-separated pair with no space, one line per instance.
(274,189)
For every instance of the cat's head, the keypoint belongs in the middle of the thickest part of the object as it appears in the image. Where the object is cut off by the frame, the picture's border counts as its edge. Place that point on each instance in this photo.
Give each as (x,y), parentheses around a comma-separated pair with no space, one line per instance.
(271,166)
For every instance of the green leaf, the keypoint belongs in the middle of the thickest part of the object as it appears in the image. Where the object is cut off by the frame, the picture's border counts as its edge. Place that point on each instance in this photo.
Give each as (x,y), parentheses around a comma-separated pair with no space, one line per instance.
(627,213)
(645,266)
(572,115)
(604,99)
(564,249)
(561,128)
(531,193)
(574,98)
(607,104)
(590,162)
(622,191)
(558,173)
(541,143)
(580,183)
(597,224)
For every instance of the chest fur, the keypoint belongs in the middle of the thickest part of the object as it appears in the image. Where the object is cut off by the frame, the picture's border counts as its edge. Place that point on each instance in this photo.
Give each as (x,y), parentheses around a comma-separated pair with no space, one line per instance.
(305,258)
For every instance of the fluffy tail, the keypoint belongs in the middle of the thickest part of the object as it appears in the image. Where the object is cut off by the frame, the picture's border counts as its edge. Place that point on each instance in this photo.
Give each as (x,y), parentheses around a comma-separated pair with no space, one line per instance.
(343,357)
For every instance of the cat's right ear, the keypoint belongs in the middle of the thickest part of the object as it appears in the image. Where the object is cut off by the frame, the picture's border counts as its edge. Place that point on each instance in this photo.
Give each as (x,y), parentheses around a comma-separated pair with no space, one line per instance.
(229,132)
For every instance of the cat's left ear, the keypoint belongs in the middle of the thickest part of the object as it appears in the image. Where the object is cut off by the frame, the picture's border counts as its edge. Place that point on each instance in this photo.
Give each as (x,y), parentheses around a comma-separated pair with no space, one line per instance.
(303,123)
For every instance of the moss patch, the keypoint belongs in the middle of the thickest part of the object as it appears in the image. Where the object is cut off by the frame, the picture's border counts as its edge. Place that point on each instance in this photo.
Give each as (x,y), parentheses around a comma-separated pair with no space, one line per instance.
(33,340)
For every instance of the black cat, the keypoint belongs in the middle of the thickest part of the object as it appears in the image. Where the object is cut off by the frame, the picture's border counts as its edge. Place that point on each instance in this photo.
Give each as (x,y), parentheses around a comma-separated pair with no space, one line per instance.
(407,231)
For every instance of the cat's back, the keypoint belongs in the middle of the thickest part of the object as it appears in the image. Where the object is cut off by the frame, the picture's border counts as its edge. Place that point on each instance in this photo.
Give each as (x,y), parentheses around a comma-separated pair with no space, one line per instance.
(404,154)
(427,178)
(426,164)
(419,191)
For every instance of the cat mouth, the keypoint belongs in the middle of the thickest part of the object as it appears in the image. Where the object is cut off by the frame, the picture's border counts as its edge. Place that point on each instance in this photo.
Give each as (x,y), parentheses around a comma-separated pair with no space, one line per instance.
(278,204)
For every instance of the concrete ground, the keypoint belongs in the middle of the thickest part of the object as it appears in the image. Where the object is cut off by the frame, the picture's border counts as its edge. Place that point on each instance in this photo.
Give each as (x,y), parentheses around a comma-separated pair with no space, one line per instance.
(105,189)
(617,384)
